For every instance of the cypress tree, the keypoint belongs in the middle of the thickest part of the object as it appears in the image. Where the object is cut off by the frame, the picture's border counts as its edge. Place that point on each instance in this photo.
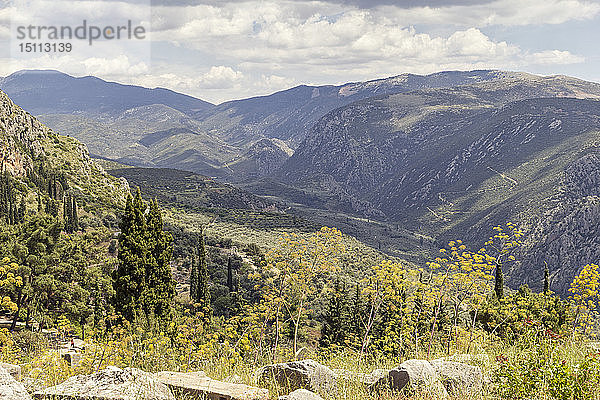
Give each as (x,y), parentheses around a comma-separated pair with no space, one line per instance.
(546,278)
(202,295)
(67,214)
(499,282)
(22,210)
(11,214)
(161,287)
(230,275)
(357,311)
(335,319)
(74,217)
(193,278)
(143,281)
(130,278)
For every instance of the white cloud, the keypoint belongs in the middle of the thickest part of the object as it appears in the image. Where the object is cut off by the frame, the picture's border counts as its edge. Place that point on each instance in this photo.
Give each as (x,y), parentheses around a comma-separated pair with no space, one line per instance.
(499,12)
(217,77)
(233,49)
(554,57)
(119,66)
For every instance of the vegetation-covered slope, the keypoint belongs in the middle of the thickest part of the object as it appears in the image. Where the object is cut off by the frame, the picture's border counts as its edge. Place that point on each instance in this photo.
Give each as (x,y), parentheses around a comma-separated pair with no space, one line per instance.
(235,140)
(28,147)
(451,162)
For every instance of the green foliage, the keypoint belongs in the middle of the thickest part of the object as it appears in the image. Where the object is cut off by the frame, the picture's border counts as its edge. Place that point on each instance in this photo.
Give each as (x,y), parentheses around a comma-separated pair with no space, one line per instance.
(510,316)
(70,214)
(199,292)
(143,281)
(585,297)
(11,211)
(336,326)
(540,366)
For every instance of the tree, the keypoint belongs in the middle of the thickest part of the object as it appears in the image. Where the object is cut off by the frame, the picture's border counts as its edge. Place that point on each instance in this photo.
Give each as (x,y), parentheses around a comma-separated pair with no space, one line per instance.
(499,282)
(335,320)
(546,279)
(230,284)
(143,282)
(33,245)
(161,286)
(199,292)
(9,280)
(74,217)
(501,245)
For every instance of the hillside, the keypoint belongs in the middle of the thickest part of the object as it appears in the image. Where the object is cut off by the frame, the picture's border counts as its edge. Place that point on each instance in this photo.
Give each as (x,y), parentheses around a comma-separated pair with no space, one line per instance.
(235,140)
(453,162)
(29,148)
(289,115)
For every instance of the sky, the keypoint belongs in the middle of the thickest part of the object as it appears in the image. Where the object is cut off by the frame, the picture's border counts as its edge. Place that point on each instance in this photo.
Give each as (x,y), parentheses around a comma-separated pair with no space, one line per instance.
(220,50)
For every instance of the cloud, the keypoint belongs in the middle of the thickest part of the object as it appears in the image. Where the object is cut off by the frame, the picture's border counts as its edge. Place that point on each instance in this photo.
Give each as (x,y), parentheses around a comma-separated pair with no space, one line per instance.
(549,57)
(229,49)
(115,68)
(496,13)
(217,77)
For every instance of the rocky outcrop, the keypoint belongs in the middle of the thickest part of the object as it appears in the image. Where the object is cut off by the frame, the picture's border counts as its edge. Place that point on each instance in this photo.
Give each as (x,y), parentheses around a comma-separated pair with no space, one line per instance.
(26,145)
(198,385)
(459,378)
(268,155)
(21,136)
(305,374)
(111,383)
(420,374)
(10,388)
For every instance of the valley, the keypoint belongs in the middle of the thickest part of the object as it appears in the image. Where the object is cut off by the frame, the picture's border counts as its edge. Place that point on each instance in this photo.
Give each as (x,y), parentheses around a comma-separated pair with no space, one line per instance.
(403,164)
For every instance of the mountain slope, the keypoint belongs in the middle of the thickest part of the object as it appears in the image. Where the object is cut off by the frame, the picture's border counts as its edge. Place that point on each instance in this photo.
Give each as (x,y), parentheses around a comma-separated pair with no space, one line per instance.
(52,92)
(454,162)
(27,148)
(290,114)
(235,140)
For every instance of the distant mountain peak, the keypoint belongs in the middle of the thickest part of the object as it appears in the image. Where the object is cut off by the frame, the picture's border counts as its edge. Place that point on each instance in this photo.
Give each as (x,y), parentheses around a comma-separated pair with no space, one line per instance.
(54,92)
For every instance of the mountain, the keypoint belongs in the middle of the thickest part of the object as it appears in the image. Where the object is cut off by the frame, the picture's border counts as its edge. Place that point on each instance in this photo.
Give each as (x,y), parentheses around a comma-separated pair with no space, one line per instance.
(52,92)
(454,162)
(32,152)
(290,114)
(159,128)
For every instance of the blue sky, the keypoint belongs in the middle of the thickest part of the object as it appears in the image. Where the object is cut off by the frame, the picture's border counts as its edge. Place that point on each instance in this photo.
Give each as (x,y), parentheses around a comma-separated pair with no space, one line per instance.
(220,50)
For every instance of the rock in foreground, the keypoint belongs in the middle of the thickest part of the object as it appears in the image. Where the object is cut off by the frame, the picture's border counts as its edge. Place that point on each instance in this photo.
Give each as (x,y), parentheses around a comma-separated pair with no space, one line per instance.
(197,384)
(459,378)
(305,374)
(301,394)
(11,389)
(111,383)
(12,369)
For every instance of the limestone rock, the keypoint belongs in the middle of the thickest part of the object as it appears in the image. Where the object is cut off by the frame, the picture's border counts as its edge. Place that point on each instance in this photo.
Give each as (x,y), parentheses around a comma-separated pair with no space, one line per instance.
(10,389)
(197,384)
(459,378)
(73,358)
(421,375)
(109,384)
(301,394)
(14,370)
(305,374)
(413,374)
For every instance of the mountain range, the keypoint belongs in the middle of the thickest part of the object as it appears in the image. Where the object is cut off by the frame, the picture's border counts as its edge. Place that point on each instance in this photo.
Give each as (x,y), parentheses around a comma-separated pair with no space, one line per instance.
(443,156)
